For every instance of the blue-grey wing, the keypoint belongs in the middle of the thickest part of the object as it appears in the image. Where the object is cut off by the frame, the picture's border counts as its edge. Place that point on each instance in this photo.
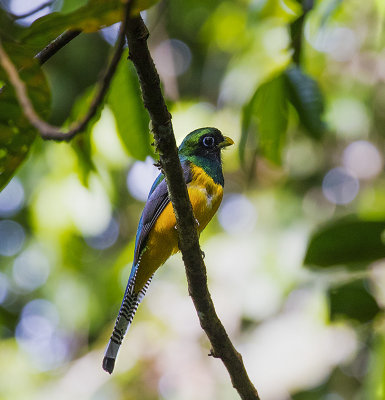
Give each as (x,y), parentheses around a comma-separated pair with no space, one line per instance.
(156,203)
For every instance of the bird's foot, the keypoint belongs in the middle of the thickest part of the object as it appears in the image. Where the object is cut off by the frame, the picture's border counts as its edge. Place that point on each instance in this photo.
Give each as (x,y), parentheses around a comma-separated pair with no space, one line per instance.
(203,254)
(158,165)
(212,354)
(196,223)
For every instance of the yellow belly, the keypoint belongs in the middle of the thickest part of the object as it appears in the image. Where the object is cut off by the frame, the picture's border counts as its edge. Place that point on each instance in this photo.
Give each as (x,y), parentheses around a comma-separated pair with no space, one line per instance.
(205,196)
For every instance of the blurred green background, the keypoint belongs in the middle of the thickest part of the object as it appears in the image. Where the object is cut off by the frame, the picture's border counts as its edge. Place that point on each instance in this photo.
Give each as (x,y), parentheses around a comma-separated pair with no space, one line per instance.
(295,255)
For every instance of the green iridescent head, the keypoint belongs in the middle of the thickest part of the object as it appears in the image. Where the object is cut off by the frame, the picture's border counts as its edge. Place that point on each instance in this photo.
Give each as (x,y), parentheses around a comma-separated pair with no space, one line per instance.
(204,142)
(202,147)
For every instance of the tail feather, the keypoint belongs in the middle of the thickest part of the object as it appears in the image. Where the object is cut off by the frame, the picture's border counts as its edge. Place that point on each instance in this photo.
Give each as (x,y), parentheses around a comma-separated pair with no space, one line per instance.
(126,314)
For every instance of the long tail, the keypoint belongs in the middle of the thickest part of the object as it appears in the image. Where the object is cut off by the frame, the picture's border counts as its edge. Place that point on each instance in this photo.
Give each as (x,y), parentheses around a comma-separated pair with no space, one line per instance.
(126,314)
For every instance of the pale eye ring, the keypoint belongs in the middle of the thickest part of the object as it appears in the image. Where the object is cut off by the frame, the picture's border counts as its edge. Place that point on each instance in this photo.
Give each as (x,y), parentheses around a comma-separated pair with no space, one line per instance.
(208,141)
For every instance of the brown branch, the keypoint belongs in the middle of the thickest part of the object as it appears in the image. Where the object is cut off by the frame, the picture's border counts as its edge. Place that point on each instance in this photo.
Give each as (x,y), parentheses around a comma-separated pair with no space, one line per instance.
(222,347)
(53,47)
(51,132)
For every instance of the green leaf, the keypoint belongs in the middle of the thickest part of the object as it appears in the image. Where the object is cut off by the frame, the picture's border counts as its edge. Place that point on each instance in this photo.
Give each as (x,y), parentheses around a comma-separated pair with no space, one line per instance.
(93,16)
(306,97)
(286,10)
(16,133)
(328,9)
(247,125)
(352,301)
(346,241)
(131,117)
(72,5)
(374,384)
(268,108)
(89,18)
(9,31)
(82,143)
(82,146)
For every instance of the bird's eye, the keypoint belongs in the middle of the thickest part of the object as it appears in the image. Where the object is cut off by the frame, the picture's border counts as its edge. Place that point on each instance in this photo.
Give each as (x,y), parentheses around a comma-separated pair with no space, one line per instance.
(208,141)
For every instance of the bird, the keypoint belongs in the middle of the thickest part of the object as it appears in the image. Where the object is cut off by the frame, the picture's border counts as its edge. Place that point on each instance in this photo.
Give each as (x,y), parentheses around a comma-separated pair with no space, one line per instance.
(157,237)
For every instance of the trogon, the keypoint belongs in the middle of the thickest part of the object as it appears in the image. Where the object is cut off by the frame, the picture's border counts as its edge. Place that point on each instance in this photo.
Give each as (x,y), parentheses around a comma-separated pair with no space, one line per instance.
(157,237)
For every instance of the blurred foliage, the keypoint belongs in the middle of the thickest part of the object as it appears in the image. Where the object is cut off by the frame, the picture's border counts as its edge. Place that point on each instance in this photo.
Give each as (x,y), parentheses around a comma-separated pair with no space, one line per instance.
(131,118)
(89,17)
(307,100)
(270,109)
(16,134)
(352,300)
(347,241)
(298,240)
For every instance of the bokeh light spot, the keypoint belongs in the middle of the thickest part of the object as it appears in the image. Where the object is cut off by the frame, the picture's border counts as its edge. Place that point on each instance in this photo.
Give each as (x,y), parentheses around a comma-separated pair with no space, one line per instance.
(91,212)
(31,269)
(21,7)
(40,307)
(141,177)
(172,57)
(228,16)
(339,186)
(105,239)
(275,40)
(302,158)
(339,42)
(12,238)
(348,117)
(108,147)
(11,198)
(362,158)
(3,287)
(110,33)
(37,334)
(237,214)
(316,206)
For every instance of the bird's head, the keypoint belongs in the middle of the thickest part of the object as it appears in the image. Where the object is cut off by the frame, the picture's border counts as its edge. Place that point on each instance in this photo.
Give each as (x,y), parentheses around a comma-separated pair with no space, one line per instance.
(204,142)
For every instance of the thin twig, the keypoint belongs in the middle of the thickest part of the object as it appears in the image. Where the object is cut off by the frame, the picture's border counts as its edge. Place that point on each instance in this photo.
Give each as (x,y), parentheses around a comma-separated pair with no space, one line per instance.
(51,132)
(34,11)
(296,30)
(222,347)
(53,47)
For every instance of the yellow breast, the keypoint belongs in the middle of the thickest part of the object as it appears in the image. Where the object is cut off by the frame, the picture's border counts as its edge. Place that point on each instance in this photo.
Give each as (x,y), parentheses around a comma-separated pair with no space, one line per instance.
(205,196)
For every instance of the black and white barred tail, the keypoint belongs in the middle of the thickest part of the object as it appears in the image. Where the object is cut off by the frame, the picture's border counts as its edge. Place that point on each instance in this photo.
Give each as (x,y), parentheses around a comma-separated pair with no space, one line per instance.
(126,314)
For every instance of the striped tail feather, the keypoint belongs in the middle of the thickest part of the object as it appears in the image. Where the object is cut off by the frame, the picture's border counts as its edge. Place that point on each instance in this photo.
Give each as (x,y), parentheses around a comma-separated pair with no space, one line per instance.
(126,314)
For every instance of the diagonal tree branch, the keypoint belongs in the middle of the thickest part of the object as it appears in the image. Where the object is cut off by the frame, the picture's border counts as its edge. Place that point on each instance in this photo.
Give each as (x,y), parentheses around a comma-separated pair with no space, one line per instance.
(56,44)
(51,132)
(222,347)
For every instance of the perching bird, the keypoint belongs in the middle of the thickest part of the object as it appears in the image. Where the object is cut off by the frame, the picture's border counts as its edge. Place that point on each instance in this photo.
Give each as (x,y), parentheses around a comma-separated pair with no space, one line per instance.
(156,237)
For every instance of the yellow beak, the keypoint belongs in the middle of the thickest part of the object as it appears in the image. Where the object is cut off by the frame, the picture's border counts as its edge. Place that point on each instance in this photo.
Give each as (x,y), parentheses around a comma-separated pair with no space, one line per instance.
(227,142)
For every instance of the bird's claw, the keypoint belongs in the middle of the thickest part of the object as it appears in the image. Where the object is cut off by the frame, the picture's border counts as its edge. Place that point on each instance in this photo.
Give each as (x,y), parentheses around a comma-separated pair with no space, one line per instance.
(158,165)
(196,222)
(212,354)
